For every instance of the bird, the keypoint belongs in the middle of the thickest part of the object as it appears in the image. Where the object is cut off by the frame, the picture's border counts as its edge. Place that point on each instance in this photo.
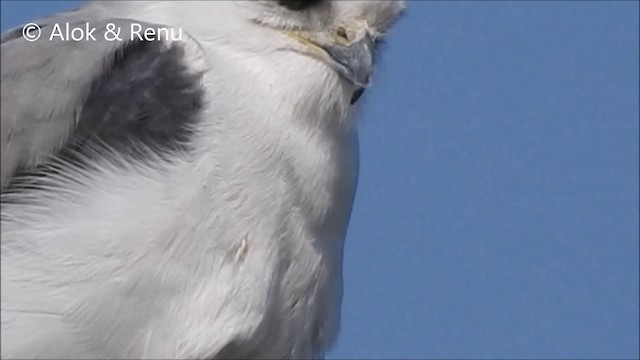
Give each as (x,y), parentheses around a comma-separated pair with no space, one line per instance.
(178,176)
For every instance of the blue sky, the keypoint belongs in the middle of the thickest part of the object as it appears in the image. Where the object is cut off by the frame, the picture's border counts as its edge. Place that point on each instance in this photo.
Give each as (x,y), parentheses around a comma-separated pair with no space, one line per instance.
(497,210)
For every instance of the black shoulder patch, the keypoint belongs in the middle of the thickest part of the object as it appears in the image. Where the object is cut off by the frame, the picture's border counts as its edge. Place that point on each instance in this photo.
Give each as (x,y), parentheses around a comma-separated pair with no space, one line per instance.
(146,101)
(146,98)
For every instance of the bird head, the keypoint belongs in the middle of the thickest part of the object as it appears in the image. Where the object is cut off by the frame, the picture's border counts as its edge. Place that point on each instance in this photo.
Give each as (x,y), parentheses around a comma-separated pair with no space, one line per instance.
(342,34)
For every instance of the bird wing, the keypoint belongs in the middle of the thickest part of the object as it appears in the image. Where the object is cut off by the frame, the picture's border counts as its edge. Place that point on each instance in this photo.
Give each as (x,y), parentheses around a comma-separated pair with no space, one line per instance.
(60,98)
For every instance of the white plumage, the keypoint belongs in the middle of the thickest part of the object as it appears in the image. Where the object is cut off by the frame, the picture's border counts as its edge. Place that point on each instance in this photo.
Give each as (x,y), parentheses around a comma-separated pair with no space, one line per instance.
(231,249)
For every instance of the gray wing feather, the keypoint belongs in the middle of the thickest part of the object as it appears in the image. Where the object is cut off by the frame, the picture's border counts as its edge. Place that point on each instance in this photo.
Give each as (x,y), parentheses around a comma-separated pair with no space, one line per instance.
(44,85)
(47,83)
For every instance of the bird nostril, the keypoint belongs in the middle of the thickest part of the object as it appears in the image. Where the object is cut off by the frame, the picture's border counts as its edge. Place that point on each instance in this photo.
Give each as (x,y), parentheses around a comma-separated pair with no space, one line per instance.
(342,32)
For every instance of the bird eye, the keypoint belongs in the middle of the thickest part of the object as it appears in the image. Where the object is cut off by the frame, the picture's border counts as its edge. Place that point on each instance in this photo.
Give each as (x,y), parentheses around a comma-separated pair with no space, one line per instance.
(298,5)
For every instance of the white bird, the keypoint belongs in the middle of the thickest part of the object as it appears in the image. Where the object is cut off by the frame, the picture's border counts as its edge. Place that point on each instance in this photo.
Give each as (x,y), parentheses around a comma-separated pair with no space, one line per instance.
(183,190)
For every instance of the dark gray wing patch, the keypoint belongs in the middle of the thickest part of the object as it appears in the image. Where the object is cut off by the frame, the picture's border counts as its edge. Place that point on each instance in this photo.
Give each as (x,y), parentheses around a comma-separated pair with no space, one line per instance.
(147,99)
(144,98)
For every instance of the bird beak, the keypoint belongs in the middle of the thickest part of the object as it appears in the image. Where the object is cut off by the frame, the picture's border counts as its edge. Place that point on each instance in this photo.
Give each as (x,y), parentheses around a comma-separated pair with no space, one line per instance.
(348,52)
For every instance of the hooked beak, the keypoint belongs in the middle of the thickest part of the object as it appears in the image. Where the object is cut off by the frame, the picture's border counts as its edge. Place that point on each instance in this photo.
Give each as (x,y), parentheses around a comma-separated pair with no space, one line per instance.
(351,59)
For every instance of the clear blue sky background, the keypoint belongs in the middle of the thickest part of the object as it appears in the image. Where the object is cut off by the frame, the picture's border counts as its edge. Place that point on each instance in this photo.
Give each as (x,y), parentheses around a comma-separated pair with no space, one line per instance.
(497,210)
